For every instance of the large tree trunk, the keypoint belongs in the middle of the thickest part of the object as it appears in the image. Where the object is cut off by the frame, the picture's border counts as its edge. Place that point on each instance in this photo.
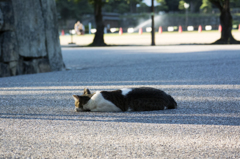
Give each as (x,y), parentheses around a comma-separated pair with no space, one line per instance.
(98,39)
(29,40)
(226,23)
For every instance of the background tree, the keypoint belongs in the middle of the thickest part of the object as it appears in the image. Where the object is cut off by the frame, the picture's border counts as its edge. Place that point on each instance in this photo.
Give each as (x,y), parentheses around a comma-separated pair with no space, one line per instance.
(206,6)
(162,5)
(98,38)
(226,22)
(75,8)
(194,5)
(181,5)
(98,4)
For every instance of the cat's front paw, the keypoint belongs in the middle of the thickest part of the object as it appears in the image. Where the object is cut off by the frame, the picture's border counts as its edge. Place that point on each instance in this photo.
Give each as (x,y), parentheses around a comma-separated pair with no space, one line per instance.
(78,110)
(81,110)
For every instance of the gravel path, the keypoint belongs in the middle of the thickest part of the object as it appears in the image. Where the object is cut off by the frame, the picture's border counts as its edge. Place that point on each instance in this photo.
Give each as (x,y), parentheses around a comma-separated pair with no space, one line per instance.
(37,118)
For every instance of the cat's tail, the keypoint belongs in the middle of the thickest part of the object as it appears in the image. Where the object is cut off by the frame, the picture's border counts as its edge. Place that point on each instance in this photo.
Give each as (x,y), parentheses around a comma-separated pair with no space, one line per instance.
(172,104)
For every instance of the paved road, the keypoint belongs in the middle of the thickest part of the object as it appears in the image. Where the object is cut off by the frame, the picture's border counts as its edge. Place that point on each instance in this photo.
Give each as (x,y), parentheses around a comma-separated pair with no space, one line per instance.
(37,118)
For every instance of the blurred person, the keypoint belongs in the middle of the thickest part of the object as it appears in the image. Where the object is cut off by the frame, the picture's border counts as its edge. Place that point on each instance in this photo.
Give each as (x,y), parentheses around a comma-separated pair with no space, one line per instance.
(79,28)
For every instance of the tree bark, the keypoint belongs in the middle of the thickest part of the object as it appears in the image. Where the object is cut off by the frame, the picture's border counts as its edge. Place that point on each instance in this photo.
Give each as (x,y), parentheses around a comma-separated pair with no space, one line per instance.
(98,39)
(226,23)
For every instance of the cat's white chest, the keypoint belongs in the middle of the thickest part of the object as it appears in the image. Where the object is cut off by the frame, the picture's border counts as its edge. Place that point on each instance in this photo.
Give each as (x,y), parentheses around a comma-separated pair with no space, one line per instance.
(100,104)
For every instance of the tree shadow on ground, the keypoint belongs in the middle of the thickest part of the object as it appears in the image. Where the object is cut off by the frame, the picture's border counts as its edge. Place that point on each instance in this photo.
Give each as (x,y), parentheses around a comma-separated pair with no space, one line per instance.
(195,116)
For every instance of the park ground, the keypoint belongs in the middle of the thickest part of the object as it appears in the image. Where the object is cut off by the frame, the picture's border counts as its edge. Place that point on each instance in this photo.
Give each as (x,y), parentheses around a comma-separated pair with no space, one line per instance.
(166,38)
(37,117)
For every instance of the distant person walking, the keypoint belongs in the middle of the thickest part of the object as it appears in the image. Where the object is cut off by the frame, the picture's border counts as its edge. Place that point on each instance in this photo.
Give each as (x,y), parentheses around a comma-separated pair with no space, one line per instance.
(79,28)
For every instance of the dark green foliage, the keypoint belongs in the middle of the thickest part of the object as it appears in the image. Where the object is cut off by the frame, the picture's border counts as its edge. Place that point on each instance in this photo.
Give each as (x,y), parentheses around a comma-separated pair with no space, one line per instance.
(120,6)
(73,9)
(172,5)
(206,6)
(143,8)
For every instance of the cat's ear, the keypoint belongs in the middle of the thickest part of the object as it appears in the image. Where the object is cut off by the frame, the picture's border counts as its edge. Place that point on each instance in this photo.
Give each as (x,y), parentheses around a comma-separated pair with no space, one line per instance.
(76,97)
(86,91)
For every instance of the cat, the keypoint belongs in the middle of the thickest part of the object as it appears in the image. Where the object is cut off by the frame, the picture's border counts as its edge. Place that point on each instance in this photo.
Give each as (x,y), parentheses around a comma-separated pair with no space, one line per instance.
(127,99)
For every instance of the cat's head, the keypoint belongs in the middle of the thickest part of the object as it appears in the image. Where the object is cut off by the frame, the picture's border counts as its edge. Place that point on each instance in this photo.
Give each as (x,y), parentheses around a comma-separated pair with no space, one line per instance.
(80,101)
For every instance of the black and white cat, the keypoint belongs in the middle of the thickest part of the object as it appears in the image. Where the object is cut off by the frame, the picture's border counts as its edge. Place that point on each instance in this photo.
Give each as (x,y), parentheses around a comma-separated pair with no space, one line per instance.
(127,99)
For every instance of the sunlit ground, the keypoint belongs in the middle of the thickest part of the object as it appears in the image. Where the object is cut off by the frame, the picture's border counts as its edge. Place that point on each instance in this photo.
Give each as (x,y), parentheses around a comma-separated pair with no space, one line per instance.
(166,38)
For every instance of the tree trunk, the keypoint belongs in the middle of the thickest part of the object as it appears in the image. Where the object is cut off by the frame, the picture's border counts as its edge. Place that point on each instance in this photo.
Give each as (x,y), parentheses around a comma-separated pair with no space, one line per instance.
(98,39)
(226,23)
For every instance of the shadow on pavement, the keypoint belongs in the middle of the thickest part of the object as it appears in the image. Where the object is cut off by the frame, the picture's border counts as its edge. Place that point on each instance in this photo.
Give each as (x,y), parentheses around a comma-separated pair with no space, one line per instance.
(196,116)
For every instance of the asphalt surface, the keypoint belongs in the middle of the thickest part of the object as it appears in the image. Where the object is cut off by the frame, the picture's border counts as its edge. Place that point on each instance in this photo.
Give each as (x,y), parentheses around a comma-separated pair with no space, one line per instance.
(37,117)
